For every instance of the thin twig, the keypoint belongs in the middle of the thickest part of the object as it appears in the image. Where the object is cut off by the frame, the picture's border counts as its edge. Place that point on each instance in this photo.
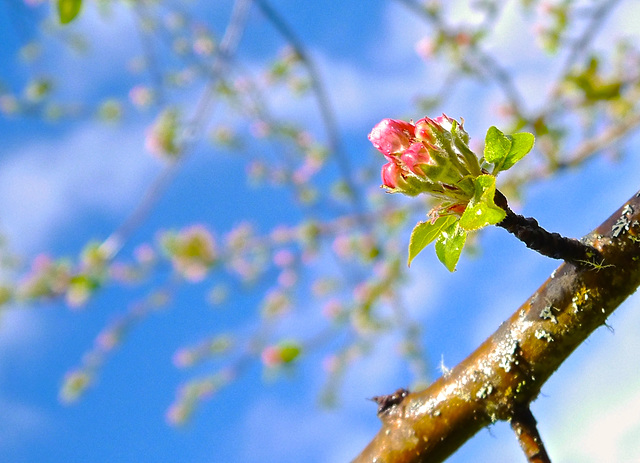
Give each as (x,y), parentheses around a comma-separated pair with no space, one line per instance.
(114,243)
(320,92)
(549,244)
(524,425)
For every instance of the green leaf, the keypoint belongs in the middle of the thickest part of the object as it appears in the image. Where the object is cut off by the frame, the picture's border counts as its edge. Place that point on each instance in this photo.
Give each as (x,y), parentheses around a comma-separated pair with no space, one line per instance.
(449,245)
(68,10)
(503,151)
(425,232)
(482,210)
(521,144)
(496,146)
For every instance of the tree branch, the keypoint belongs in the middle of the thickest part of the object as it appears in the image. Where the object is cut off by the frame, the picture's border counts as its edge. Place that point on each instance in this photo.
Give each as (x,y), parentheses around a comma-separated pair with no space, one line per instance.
(524,425)
(508,370)
(549,244)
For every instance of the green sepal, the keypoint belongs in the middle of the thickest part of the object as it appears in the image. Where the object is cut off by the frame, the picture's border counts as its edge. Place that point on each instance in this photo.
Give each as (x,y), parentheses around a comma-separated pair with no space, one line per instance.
(503,151)
(449,245)
(425,232)
(68,10)
(482,210)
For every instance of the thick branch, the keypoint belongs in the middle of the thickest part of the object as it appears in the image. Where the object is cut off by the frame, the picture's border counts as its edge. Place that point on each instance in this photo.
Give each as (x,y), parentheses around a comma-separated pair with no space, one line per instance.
(507,371)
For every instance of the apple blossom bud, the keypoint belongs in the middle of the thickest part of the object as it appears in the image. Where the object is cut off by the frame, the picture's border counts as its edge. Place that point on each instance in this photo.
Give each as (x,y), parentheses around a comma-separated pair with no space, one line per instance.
(392,136)
(392,175)
(415,156)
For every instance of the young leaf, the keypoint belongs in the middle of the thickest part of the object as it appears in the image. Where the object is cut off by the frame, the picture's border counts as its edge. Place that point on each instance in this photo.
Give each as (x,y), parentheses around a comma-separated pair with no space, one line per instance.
(449,245)
(496,146)
(482,210)
(425,232)
(503,151)
(68,10)
(521,144)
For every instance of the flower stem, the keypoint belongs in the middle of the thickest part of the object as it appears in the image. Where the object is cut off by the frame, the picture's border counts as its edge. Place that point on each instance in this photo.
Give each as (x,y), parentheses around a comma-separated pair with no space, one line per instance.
(549,244)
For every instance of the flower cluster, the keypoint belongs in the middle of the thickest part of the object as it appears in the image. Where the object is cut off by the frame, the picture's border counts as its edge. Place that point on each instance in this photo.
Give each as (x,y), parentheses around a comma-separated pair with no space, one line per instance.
(191,250)
(430,156)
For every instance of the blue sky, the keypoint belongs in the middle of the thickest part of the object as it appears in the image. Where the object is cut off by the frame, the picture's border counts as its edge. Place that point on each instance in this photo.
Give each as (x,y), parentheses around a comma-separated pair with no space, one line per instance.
(64,184)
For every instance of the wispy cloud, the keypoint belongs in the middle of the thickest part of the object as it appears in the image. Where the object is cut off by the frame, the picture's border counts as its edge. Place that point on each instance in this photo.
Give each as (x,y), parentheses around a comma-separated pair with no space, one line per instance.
(47,184)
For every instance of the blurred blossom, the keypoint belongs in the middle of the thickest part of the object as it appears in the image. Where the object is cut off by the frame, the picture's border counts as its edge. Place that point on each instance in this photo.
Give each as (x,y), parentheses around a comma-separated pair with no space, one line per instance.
(203,45)
(287,278)
(79,291)
(285,352)
(8,104)
(425,48)
(362,292)
(332,309)
(141,96)
(226,137)
(260,129)
(144,254)
(191,250)
(275,303)
(6,294)
(75,383)
(323,286)
(242,84)
(110,110)
(342,246)
(121,272)
(240,236)
(304,139)
(183,358)
(177,414)
(331,363)
(38,89)
(282,234)
(283,258)
(271,356)
(107,340)
(256,170)
(47,278)
(162,136)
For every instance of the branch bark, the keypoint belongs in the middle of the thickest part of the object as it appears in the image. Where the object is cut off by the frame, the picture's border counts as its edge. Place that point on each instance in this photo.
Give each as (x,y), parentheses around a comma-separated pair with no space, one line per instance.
(505,374)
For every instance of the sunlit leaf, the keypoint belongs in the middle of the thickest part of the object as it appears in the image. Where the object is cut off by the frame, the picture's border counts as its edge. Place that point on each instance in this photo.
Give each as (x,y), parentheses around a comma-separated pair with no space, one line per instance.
(521,144)
(503,151)
(449,245)
(482,210)
(425,232)
(68,10)
(496,146)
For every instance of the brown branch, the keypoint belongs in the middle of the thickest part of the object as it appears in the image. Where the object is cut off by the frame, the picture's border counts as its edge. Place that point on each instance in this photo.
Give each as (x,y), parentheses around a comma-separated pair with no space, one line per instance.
(549,244)
(524,425)
(507,371)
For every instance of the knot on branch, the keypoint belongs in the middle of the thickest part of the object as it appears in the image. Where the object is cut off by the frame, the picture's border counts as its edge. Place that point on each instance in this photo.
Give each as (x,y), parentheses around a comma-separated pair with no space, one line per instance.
(385,402)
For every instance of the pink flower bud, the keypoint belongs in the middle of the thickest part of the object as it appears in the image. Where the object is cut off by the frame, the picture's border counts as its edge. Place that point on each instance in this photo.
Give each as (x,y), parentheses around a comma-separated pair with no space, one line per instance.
(391,136)
(428,129)
(392,175)
(415,156)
